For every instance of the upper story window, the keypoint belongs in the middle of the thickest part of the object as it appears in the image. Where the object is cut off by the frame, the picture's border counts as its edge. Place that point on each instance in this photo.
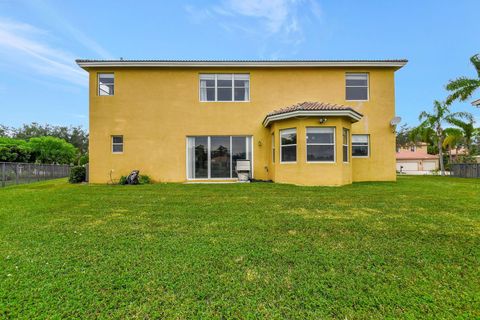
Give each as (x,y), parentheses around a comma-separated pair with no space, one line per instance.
(224,87)
(321,144)
(106,84)
(360,145)
(356,86)
(288,145)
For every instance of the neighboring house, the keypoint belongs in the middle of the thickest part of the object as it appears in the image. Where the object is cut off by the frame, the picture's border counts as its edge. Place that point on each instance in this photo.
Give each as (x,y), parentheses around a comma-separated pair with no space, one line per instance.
(414,159)
(302,122)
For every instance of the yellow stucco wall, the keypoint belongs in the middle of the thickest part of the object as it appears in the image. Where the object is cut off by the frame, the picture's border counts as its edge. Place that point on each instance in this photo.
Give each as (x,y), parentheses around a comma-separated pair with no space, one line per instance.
(155,109)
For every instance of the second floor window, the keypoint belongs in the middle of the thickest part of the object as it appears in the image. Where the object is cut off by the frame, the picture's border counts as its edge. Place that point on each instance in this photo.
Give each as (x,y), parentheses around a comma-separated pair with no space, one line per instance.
(356,86)
(224,87)
(106,84)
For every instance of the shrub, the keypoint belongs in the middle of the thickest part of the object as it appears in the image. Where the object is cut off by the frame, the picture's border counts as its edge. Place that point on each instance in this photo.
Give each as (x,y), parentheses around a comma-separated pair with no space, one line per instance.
(123,180)
(83,159)
(144,179)
(77,175)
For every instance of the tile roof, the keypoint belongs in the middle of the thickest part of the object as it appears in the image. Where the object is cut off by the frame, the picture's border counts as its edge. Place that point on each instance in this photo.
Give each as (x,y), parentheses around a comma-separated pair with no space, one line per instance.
(414,155)
(309,105)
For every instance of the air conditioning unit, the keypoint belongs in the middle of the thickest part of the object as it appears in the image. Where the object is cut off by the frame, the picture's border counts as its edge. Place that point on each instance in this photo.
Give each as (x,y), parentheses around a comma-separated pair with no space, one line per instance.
(243,170)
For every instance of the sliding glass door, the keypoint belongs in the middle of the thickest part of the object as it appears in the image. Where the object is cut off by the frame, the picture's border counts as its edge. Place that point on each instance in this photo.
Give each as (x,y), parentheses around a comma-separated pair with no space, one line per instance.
(215,157)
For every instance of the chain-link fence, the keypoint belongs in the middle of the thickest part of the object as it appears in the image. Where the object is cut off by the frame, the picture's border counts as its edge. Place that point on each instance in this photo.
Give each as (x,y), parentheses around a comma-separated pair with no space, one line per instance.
(16,173)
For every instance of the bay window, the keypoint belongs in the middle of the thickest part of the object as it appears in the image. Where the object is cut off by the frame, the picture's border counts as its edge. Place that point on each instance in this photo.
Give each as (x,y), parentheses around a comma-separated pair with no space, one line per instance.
(346,137)
(288,145)
(321,144)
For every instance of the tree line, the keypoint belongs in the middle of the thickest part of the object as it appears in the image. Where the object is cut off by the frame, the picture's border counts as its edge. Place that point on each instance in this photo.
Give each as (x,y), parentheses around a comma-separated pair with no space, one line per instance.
(461,132)
(36,143)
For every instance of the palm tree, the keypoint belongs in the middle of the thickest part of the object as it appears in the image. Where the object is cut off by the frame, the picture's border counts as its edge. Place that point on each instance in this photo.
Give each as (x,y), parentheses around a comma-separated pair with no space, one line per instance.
(464,87)
(433,121)
(467,128)
(453,140)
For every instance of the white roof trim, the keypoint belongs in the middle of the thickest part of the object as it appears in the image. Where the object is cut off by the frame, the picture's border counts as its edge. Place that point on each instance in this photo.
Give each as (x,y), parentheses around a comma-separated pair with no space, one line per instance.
(476,103)
(278,64)
(354,116)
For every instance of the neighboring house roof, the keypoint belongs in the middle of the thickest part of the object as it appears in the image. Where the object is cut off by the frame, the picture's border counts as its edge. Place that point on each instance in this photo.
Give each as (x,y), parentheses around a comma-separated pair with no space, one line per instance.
(461,151)
(476,103)
(395,63)
(415,155)
(312,109)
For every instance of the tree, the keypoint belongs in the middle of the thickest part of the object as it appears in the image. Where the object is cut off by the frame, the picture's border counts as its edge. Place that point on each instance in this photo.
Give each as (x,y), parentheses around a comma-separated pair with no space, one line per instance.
(4,131)
(453,140)
(74,135)
(433,121)
(52,150)
(13,150)
(464,87)
(467,127)
(403,136)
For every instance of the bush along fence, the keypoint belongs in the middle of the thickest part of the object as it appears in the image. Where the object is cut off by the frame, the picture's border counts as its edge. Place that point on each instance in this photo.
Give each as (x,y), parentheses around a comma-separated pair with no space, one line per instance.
(465,170)
(17,173)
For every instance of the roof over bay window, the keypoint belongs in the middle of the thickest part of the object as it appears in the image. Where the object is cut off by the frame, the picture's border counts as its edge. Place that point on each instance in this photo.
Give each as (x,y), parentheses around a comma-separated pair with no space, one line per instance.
(312,109)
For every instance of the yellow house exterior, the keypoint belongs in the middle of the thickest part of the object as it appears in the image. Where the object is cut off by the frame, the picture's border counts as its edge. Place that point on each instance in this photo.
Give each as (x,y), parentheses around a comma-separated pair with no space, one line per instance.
(157,116)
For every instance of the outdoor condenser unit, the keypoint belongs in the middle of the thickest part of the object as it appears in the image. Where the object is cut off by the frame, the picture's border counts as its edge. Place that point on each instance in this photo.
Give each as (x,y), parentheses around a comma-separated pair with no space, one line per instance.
(243,170)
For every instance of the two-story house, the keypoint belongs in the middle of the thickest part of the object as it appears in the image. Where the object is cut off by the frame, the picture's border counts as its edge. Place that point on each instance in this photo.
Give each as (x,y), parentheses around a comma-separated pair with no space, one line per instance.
(303,122)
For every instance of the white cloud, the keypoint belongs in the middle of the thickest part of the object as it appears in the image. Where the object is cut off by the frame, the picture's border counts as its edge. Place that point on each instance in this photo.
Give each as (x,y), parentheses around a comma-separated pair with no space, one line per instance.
(59,21)
(28,46)
(278,20)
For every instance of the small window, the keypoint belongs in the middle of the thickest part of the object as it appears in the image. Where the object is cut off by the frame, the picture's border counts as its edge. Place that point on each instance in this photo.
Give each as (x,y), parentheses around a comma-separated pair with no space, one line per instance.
(106,84)
(273,148)
(346,137)
(356,86)
(360,145)
(224,87)
(320,144)
(288,145)
(117,144)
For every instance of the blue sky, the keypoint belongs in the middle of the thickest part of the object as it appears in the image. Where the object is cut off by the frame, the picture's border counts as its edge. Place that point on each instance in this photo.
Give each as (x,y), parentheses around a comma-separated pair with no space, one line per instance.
(39,41)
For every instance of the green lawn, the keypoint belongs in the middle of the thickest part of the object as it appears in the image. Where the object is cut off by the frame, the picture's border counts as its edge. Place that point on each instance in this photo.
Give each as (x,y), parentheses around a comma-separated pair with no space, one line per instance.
(409,249)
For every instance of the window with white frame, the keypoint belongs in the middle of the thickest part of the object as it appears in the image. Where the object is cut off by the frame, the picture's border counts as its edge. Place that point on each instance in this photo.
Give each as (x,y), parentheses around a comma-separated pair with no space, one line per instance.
(273,147)
(224,87)
(106,84)
(321,144)
(360,145)
(356,86)
(346,137)
(117,144)
(288,145)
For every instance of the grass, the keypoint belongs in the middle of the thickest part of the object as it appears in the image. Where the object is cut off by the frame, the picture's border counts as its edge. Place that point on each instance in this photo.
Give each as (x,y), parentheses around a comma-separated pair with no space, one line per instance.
(409,249)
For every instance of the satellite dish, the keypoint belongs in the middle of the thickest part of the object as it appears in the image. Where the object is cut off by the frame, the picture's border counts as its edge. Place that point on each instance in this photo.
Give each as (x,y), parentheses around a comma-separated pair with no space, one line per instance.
(395,121)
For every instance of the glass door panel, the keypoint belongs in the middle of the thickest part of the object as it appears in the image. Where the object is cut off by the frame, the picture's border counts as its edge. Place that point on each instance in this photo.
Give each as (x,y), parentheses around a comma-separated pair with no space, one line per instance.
(239,152)
(201,157)
(220,157)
